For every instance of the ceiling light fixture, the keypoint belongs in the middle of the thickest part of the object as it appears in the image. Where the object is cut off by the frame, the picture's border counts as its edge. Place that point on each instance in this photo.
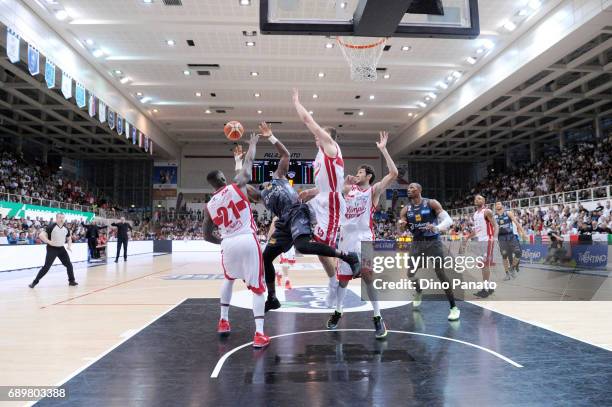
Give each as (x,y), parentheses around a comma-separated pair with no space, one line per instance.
(147,1)
(124,80)
(118,72)
(138,94)
(155,110)
(145,99)
(259,112)
(254,73)
(198,94)
(321,74)
(386,76)
(329,45)
(61,15)
(410,114)
(97,53)
(171,43)
(406,48)
(244,2)
(372,97)
(509,26)
(89,41)
(534,4)
(310,112)
(442,85)
(421,104)
(522,12)
(470,60)
(207,111)
(457,74)
(257,95)
(343,4)
(250,43)
(186,72)
(361,113)
(315,96)
(432,95)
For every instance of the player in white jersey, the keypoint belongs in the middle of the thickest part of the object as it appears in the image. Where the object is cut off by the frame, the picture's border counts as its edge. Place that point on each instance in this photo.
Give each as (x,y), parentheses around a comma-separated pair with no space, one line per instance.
(485,230)
(328,207)
(230,212)
(357,226)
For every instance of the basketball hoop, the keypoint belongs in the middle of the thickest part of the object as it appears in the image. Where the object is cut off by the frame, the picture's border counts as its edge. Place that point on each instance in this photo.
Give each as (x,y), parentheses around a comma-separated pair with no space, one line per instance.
(362,54)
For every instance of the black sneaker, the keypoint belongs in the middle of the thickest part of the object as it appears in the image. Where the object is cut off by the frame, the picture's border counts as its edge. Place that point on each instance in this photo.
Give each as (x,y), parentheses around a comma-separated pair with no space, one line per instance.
(73,283)
(332,322)
(516,268)
(32,284)
(482,293)
(272,303)
(352,259)
(116,260)
(491,291)
(380,327)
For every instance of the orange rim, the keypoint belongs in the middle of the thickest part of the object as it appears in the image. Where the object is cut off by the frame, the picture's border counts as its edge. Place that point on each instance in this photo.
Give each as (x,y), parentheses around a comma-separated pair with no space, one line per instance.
(344,44)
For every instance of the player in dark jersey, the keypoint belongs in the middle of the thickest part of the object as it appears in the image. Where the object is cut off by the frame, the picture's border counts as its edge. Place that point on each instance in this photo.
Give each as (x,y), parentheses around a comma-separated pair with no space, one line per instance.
(509,245)
(293,225)
(425,219)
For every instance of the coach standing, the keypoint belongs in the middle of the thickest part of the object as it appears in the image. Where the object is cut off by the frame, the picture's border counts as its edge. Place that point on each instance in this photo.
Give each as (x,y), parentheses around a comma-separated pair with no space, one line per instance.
(122,237)
(55,235)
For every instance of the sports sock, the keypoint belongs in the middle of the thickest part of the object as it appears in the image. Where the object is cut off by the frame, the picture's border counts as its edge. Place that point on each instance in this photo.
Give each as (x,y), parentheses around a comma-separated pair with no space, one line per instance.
(259,303)
(341,293)
(226,297)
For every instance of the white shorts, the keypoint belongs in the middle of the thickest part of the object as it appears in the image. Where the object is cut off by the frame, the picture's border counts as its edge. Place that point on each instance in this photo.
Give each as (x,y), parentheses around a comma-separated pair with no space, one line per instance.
(288,257)
(326,211)
(352,243)
(241,259)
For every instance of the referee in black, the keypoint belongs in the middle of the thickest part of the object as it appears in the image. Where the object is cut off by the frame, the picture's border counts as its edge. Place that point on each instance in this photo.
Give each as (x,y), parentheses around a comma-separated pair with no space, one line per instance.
(55,235)
(122,237)
(92,233)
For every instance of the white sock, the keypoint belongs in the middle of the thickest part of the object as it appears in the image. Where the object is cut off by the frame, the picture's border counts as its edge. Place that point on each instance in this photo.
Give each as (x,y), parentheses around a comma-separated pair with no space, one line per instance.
(259,305)
(226,297)
(341,292)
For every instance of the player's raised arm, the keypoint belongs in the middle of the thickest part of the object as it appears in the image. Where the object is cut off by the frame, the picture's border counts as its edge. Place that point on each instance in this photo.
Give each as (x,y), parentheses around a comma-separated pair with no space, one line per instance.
(244,175)
(283,163)
(325,140)
(382,185)
(519,227)
(209,227)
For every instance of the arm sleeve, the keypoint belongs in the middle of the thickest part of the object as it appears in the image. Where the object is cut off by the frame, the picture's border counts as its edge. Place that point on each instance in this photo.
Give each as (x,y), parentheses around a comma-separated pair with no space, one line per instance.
(444,221)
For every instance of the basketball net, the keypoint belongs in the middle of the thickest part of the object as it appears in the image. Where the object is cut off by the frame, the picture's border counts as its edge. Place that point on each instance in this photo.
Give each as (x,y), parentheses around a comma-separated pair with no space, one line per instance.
(362,54)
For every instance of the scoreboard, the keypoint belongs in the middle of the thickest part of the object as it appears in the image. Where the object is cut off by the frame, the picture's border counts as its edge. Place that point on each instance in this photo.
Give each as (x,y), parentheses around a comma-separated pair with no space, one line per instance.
(300,171)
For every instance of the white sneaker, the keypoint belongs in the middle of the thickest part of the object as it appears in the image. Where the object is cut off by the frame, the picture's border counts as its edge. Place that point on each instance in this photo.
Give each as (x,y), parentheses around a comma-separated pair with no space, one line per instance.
(416,301)
(454,313)
(332,294)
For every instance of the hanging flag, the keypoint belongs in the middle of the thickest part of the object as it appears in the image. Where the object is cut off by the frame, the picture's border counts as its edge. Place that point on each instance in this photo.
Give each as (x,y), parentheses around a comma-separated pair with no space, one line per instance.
(12,45)
(102,111)
(146,144)
(66,85)
(119,125)
(134,135)
(127,130)
(111,119)
(140,137)
(33,60)
(80,96)
(50,74)
(151,147)
(92,105)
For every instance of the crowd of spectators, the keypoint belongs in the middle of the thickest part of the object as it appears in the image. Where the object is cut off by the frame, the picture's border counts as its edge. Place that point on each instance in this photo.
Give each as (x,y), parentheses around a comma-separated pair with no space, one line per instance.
(579,166)
(38,181)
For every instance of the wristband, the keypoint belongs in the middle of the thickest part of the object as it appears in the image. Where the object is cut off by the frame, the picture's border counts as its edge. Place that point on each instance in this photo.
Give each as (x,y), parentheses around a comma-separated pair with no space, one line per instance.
(273,140)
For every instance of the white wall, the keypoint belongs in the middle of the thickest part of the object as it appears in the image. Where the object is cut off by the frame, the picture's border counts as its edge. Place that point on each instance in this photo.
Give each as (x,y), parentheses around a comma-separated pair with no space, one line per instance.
(15,257)
(134,247)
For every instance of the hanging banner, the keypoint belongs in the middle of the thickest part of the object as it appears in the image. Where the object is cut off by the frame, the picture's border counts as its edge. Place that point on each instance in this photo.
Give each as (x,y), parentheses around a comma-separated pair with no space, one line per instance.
(127,130)
(80,96)
(151,147)
(111,119)
(140,137)
(50,74)
(102,112)
(12,45)
(119,125)
(146,144)
(92,105)
(134,135)
(33,60)
(66,86)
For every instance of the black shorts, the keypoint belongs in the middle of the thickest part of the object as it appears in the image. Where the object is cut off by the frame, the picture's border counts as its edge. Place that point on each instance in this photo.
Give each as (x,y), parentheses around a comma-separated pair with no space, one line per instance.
(509,245)
(427,248)
(293,224)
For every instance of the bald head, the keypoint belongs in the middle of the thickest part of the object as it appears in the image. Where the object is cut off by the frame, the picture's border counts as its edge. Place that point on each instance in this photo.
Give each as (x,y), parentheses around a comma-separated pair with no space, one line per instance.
(414,190)
(479,200)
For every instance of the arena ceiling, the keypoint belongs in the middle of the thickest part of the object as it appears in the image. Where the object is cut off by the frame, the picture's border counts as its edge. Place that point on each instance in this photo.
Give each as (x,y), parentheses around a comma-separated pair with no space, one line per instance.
(147,47)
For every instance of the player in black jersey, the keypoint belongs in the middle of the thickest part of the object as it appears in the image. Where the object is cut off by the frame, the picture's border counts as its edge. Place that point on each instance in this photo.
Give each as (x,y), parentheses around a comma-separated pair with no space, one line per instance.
(293,225)
(425,219)
(509,245)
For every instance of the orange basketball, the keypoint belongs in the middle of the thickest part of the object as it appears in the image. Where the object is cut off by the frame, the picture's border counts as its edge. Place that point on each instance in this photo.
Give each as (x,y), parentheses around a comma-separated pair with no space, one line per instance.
(233,130)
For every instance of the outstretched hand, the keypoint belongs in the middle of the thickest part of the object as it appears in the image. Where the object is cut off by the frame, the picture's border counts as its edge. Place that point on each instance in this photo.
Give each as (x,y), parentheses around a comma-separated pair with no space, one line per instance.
(382,144)
(265,129)
(254,139)
(238,153)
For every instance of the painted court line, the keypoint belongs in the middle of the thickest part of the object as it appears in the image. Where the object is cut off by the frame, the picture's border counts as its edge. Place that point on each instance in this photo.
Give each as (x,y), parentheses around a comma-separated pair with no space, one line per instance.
(221,361)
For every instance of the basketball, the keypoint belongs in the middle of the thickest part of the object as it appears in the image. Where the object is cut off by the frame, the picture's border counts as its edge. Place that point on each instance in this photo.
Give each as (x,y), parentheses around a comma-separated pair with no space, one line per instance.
(233,130)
